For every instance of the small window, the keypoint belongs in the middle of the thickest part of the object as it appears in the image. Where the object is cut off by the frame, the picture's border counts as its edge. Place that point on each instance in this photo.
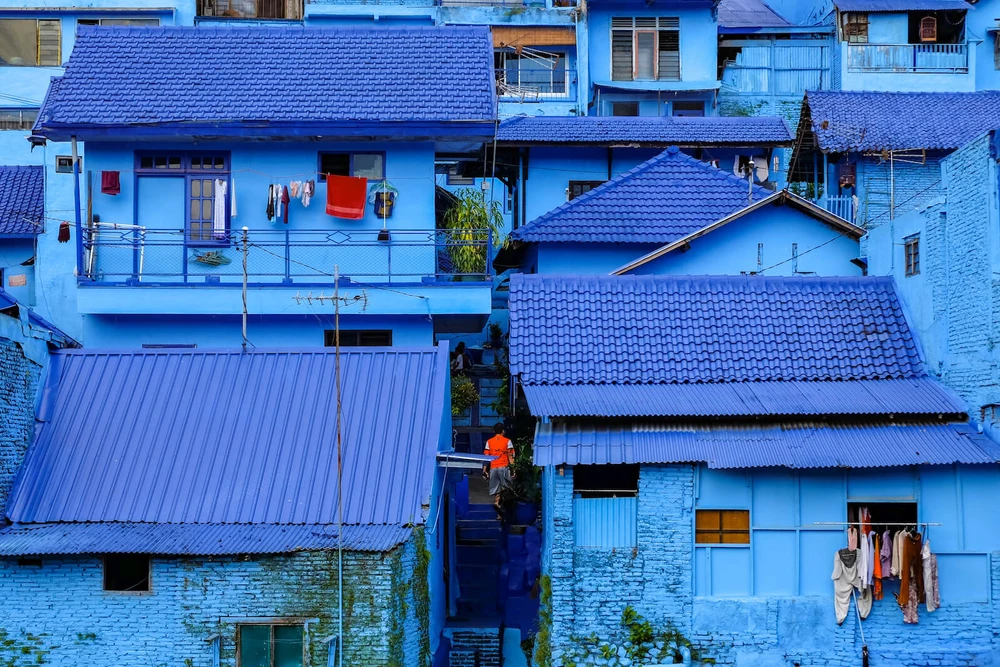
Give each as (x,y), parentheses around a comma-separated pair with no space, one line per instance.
(64,164)
(928,29)
(17,119)
(359,338)
(688,109)
(455,176)
(624,108)
(577,188)
(856,27)
(606,481)
(30,42)
(911,250)
(270,646)
(645,48)
(126,573)
(722,527)
(363,165)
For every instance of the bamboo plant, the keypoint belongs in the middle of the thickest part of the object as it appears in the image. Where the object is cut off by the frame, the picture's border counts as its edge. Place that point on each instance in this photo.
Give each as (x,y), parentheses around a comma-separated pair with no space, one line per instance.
(469,220)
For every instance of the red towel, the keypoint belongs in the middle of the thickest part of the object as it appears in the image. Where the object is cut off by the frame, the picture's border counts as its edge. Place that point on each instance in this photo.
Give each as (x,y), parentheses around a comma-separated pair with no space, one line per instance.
(346,196)
(110,183)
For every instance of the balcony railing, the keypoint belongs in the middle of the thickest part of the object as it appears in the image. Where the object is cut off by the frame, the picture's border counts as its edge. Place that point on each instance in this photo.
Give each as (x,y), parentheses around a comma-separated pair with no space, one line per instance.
(535,85)
(251,9)
(136,256)
(942,58)
(840,206)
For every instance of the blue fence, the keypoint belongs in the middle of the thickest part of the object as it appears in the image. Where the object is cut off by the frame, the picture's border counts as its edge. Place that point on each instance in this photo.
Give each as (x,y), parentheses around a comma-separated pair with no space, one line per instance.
(137,256)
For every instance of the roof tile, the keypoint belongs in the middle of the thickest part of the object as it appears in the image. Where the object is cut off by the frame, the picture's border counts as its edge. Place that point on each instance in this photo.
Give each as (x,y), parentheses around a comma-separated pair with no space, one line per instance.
(22,200)
(662,130)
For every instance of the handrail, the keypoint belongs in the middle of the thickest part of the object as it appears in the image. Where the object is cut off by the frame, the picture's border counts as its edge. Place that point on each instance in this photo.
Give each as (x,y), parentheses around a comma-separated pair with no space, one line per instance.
(932,57)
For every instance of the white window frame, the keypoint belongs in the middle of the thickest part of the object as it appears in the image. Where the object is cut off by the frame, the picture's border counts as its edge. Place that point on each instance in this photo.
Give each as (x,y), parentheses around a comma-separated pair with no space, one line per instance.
(642,24)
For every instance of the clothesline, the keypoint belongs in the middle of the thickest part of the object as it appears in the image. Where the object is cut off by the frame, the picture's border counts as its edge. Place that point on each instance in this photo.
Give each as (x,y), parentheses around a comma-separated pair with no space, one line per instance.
(876,523)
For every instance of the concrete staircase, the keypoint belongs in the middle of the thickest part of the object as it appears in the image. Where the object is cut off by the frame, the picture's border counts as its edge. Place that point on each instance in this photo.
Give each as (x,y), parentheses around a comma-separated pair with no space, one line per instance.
(475,630)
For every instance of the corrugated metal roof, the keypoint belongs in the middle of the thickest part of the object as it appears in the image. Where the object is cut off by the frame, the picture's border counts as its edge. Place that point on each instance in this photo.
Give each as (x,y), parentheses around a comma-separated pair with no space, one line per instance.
(187,74)
(43,539)
(22,201)
(206,437)
(921,396)
(791,446)
(846,121)
(646,130)
(661,200)
(749,14)
(651,329)
(900,5)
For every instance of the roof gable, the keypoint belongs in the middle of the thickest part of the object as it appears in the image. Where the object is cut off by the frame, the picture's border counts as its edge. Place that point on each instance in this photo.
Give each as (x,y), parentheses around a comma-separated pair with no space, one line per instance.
(226,76)
(22,201)
(663,199)
(203,437)
(707,329)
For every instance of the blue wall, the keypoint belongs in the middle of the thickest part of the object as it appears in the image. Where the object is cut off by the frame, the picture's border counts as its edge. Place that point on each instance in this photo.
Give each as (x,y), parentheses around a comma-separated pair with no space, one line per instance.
(771,603)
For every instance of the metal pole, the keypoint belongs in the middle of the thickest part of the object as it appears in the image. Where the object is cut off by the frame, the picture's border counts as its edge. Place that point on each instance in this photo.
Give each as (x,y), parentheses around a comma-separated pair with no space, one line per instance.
(245,230)
(892,187)
(340,479)
(76,198)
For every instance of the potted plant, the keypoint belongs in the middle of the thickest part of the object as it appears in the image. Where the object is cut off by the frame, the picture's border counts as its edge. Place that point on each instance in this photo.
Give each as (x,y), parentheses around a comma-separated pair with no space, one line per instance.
(527,483)
(495,335)
(463,394)
(469,222)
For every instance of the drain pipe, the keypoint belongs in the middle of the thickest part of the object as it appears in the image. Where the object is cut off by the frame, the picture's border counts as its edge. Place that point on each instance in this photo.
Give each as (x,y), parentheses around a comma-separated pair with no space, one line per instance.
(76,199)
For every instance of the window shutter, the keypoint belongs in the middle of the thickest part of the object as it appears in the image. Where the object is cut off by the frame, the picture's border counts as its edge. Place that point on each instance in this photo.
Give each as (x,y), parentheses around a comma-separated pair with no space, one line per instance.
(670,23)
(670,55)
(621,55)
(645,22)
(621,23)
(49,43)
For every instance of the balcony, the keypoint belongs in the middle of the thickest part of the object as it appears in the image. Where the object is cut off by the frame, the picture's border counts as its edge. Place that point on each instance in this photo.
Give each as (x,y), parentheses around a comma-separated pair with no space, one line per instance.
(842,207)
(935,58)
(261,10)
(119,255)
(535,85)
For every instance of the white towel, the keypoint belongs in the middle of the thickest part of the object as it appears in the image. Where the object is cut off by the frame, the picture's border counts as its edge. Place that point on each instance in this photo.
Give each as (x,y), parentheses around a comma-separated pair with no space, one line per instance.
(219,209)
(232,197)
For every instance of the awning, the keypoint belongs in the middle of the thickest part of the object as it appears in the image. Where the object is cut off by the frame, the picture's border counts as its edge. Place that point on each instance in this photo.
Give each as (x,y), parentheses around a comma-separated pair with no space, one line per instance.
(515,36)
(782,445)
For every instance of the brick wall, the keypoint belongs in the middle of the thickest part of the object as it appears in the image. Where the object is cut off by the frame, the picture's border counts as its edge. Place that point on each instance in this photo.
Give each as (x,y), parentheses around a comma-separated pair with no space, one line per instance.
(591,587)
(18,382)
(58,614)
(915,186)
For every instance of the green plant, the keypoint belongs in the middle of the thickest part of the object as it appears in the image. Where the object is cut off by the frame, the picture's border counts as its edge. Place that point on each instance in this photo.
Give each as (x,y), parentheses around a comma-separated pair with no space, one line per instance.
(495,331)
(463,394)
(543,640)
(470,220)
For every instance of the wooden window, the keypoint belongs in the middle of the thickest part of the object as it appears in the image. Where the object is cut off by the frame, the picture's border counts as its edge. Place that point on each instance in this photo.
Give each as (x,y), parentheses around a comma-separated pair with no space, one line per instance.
(359,338)
(911,251)
(928,29)
(126,573)
(577,188)
(30,42)
(624,108)
(200,172)
(645,49)
(365,165)
(722,526)
(856,27)
(275,645)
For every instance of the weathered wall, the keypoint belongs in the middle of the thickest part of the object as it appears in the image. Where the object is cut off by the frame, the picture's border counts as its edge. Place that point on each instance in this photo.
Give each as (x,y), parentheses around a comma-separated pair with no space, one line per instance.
(18,382)
(57,613)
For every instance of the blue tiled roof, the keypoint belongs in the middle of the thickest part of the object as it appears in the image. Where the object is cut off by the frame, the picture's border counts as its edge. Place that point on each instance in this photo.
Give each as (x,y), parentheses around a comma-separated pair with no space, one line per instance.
(865,121)
(784,445)
(749,14)
(273,76)
(216,437)
(22,201)
(707,329)
(662,131)
(661,200)
(911,396)
(900,5)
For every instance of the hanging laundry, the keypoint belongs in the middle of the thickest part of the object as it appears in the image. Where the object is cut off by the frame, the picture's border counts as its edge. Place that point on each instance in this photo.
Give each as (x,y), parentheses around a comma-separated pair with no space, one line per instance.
(845,578)
(110,183)
(870,557)
(232,197)
(852,538)
(910,614)
(864,602)
(308,190)
(897,554)
(277,201)
(270,202)
(219,209)
(284,202)
(866,520)
(346,196)
(863,563)
(294,188)
(912,570)
(931,591)
(886,554)
(877,571)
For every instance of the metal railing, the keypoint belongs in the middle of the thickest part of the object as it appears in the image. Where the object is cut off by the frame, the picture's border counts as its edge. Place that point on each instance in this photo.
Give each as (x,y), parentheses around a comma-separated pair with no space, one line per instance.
(117,254)
(535,85)
(842,207)
(945,58)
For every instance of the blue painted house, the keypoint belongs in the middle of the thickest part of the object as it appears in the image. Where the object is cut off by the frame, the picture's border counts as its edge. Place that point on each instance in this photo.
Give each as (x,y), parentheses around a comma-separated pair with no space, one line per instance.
(861,158)
(653,218)
(262,527)
(22,219)
(944,257)
(706,442)
(162,254)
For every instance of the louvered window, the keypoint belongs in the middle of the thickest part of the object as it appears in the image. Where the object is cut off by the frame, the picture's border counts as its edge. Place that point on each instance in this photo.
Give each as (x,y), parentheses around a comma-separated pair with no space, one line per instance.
(30,42)
(645,49)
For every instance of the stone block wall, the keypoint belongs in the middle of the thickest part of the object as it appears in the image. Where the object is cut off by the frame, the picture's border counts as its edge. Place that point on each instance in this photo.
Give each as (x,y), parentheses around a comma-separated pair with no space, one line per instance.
(915,186)
(57,613)
(18,384)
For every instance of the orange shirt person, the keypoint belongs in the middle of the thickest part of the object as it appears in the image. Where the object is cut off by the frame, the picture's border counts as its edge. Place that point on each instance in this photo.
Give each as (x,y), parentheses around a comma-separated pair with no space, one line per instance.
(501,449)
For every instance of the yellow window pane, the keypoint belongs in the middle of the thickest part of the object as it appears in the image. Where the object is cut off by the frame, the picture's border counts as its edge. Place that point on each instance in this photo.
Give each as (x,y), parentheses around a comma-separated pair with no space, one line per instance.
(707,520)
(707,537)
(736,538)
(736,520)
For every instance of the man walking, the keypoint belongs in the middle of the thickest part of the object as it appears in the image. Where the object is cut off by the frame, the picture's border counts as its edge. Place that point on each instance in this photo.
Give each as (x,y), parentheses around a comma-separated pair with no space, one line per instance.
(502,449)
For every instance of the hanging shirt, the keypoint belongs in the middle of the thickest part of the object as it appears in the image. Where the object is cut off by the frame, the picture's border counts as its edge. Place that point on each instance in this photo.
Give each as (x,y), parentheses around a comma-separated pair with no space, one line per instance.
(872,557)
(863,563)
(270,203)
(219,209)
(277,201)
(931,591)
(886,554)
(284,202)
(308,190)
(845,578)
(852,538)
(500,447)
